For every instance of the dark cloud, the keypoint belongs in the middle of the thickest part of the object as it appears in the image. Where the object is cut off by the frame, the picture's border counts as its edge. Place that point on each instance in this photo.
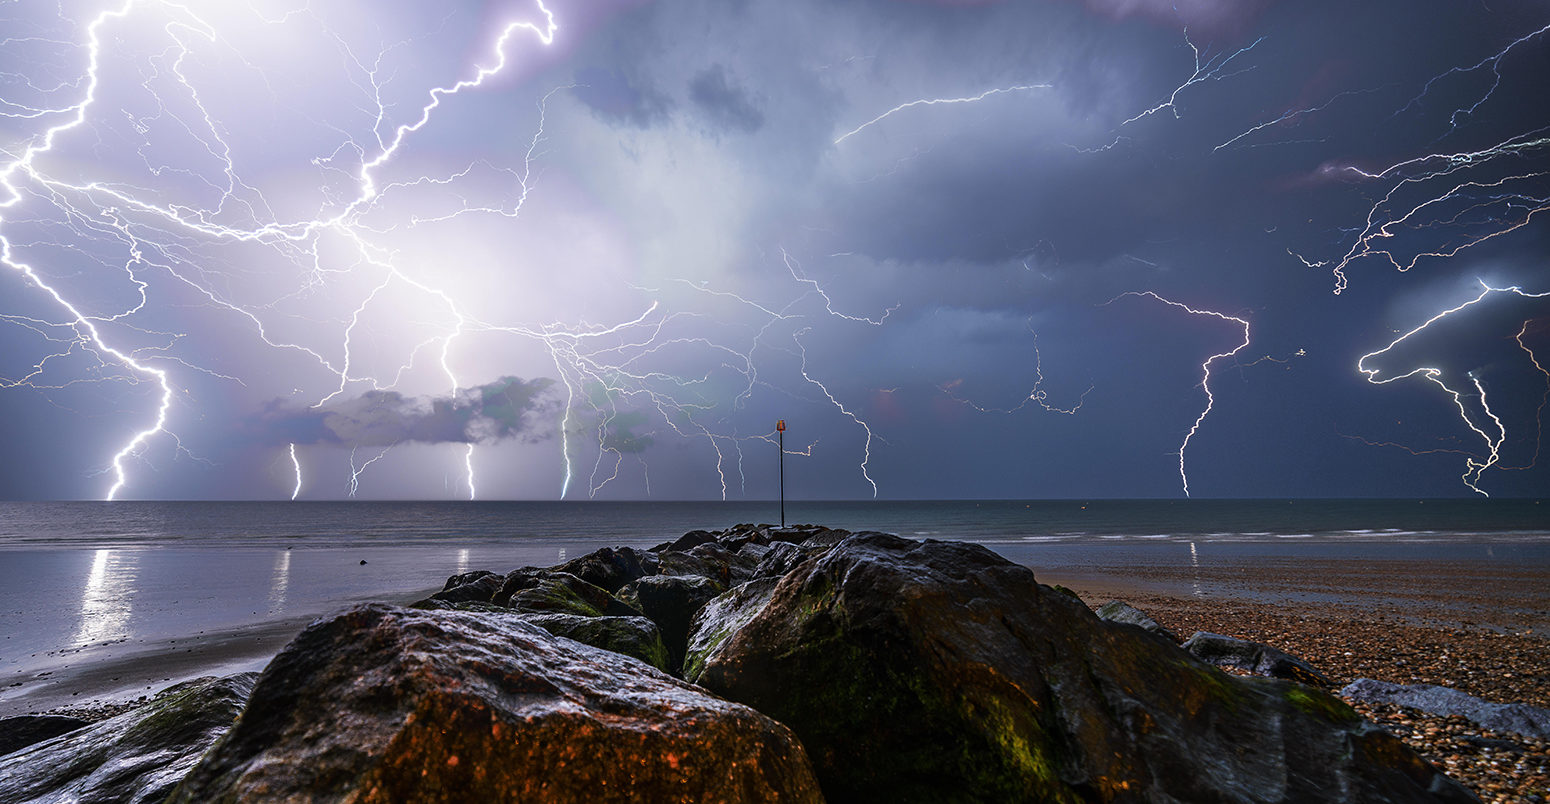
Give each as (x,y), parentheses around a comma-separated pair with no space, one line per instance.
(498,410)
(620,97)
(726,104)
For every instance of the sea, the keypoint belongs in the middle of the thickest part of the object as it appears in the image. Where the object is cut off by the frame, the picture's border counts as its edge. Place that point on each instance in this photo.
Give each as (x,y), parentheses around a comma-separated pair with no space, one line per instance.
(88,582)
(1429,526)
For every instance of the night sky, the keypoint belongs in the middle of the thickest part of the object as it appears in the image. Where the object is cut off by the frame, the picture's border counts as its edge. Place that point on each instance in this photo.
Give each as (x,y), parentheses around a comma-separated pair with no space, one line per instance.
(965,249)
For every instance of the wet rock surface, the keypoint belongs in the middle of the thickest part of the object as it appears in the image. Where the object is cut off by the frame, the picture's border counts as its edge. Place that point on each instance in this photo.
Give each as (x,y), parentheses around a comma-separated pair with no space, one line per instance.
(941,672)
(1253,657)
(1529,721)
(386,704)
(671,601)
(1118,611)
(17,733)
(637,637)
(133,758)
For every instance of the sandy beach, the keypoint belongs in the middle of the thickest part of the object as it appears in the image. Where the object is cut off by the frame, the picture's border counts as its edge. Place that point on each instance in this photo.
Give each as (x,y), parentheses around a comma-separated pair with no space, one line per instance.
(1476,624)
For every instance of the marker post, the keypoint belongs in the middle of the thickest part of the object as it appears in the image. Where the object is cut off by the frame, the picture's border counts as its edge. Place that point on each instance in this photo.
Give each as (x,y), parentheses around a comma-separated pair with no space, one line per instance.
(780,430)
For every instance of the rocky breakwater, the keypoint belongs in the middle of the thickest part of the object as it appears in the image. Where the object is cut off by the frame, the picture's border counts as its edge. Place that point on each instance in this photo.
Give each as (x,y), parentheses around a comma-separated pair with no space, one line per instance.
(824,664)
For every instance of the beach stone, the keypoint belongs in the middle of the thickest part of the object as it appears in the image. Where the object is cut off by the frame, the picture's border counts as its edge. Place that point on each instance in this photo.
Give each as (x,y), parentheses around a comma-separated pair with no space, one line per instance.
(671,601)
(19,732)
(1529,721)
(541,591)
(611,567)
(384,704)
(1118,611)
(632,636)
(1253,657)
(939,671)
(472,587)
(134,758)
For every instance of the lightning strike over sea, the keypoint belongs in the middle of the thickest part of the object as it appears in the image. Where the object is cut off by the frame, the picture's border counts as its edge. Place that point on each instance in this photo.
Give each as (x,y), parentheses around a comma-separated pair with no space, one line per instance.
(541,249)
(1205,367)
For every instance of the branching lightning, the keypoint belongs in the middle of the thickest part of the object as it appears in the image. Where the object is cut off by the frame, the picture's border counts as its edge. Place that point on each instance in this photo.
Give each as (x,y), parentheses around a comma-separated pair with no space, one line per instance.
(1485,424)
(1037,395)
(936,102)
(1466,196)
(1205,368)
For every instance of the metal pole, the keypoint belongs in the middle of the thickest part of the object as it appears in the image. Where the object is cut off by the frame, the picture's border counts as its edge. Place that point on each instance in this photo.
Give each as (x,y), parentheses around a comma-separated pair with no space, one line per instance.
(783,479)
(780,430)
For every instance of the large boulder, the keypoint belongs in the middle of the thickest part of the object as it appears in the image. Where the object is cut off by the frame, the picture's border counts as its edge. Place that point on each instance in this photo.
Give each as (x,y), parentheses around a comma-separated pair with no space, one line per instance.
(1253,657)
(720,618)
(384,704)
(671,601)
(942,672)
(544,591)
(611,568)
(134,758)
(1529,721)
(632,636)
(471,587)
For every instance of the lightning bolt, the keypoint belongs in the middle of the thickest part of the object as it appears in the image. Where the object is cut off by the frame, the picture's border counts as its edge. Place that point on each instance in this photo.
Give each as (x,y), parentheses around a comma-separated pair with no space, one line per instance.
(1205,368)
(867,447)
(296,464)
(1036,395)
(88,337)
(1494,433)
(937,102)
(1474,195)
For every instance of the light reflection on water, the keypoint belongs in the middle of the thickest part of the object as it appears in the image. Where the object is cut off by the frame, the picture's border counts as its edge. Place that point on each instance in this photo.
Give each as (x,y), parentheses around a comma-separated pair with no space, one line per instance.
(281,582)
(106,603)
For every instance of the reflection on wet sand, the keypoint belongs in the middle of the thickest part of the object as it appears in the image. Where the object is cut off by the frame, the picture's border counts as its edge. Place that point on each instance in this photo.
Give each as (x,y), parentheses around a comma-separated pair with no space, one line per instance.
(106,601)
(1194,562)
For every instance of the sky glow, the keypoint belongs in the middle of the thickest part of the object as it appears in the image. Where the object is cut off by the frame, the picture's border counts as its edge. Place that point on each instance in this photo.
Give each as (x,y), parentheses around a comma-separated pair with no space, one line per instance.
(282,249)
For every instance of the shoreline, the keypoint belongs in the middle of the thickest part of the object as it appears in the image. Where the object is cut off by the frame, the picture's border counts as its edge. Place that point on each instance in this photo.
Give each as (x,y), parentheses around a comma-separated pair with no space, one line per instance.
(1476,626)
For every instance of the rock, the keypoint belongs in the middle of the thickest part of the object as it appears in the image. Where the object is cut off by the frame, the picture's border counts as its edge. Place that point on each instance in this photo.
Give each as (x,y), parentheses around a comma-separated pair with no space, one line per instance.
(385,704)
(1118,611)
(134,758)
(1253,657)
(782,558)
(720,618)
(632,636)
(473,587)
(942,672)
(1529,721)
(611,568)
(693,538)
(542,591)
(708,560)
(466,577)
(671,601)
(19,732)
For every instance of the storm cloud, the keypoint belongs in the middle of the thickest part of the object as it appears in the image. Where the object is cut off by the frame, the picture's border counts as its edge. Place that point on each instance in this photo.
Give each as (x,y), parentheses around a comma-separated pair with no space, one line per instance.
(505,408)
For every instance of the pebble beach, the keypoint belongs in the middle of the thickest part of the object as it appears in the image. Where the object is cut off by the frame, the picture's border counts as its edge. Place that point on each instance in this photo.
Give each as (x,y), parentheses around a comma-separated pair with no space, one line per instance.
(1475,627)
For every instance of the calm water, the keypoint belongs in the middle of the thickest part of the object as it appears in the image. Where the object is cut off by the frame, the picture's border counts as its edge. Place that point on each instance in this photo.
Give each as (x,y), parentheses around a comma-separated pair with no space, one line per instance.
(1525,523)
